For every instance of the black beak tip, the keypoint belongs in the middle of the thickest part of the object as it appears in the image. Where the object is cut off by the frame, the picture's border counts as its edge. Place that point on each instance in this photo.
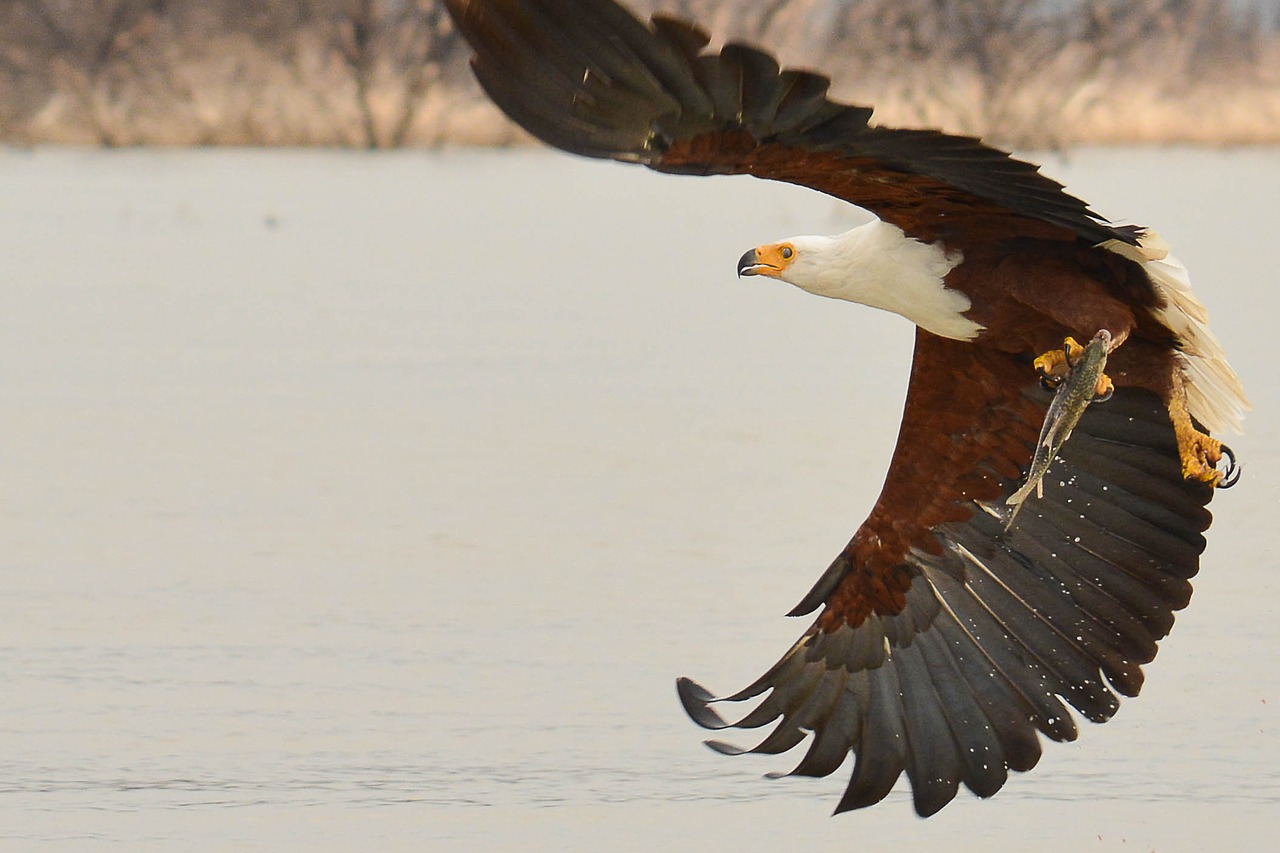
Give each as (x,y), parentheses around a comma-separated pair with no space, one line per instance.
(747,263)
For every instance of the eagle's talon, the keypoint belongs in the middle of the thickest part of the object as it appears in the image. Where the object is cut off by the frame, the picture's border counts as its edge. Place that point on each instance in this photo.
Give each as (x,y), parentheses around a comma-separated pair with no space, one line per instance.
(1104,389)
(1054,366)
(1231,471)
(1200,456)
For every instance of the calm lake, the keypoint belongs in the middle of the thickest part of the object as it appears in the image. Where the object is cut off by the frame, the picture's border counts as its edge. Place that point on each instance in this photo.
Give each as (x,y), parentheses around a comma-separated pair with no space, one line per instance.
(375,502)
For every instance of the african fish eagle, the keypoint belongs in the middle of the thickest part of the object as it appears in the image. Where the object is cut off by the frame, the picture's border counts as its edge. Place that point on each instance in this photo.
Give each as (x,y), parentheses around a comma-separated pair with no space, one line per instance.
(943,642)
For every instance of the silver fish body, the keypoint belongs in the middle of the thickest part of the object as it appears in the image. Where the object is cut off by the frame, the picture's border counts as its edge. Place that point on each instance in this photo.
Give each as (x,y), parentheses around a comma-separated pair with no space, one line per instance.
(1073,396)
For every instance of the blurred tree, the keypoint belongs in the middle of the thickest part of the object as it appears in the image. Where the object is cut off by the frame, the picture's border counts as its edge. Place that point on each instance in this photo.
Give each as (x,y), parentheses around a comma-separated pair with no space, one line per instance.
(394,51)
(86,50)
(386,73)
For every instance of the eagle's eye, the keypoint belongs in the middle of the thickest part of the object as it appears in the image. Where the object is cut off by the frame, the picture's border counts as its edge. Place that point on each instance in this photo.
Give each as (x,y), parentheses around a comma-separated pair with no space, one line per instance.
(787,252)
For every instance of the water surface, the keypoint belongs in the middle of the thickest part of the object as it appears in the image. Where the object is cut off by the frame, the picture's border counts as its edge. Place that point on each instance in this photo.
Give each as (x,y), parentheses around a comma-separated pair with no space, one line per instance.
(356,502)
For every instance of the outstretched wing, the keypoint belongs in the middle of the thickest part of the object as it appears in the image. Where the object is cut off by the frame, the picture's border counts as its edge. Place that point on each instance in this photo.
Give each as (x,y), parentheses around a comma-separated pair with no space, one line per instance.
(945,643)
(590,78)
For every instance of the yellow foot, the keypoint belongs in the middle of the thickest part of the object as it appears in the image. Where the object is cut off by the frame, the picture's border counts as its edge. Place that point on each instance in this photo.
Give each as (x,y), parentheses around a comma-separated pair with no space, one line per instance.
(1055,365)
(1105,388)
(1199,452)
(1200,457)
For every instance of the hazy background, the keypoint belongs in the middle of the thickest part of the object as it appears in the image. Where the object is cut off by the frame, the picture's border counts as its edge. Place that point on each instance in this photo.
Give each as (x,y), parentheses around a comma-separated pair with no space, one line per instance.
(388,73)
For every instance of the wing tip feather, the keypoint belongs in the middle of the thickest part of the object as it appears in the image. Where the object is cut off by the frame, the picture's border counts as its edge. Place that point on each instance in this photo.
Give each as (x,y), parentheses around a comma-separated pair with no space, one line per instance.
(696,700)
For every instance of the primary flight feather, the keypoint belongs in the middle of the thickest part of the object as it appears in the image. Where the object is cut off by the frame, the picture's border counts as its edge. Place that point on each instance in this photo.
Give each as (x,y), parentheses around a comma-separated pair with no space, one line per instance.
(949,636)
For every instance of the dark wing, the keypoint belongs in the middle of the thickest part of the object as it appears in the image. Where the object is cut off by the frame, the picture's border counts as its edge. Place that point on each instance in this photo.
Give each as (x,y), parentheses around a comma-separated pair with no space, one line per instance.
(944,643)
(590,78)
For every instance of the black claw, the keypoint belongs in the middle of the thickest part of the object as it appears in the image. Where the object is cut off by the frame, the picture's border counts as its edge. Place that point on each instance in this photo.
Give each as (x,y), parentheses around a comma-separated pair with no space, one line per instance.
(1231,473)
(1102,398)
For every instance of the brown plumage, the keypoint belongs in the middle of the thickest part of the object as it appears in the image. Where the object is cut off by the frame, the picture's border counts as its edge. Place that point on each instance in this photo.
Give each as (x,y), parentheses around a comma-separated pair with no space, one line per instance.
(942,643)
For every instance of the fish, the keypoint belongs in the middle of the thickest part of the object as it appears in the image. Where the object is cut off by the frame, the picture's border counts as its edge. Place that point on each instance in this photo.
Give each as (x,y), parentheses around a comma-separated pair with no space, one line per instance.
(1073,396)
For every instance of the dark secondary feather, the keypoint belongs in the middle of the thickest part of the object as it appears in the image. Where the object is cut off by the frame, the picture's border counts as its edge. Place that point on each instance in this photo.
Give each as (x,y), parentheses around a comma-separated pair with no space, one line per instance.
(588,77)
(944,642)
(944,645)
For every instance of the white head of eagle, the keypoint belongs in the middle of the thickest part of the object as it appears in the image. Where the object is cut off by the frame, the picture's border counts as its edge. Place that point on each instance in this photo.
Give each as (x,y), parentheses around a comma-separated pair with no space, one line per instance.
(877,265)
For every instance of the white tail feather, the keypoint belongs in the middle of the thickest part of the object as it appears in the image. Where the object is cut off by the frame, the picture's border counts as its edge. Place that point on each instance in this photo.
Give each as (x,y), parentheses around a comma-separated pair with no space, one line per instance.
(1215,396)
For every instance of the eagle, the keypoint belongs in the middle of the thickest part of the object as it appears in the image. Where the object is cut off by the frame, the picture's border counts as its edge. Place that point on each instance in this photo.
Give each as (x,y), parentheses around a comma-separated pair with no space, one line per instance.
(949,635)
